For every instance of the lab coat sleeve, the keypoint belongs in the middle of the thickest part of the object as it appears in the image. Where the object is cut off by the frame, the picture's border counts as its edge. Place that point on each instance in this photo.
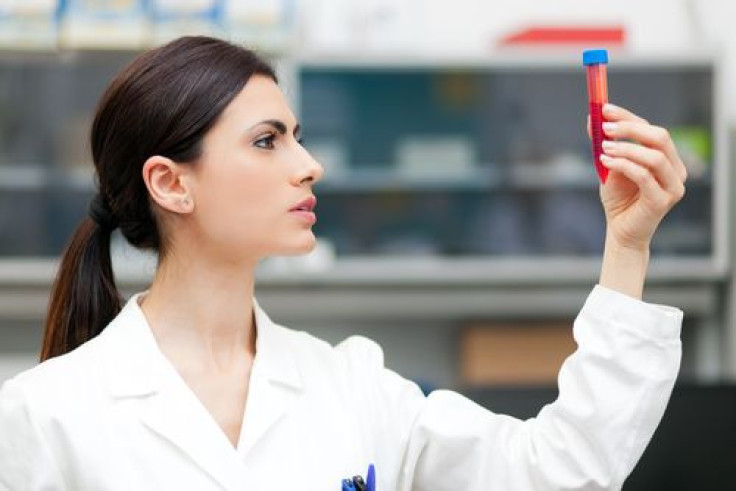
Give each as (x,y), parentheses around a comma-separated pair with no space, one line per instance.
(612,394)
(26,462)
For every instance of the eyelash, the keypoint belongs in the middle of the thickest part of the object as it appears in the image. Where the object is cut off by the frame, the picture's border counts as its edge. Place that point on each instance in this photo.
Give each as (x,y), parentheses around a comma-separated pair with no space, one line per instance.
(269,139)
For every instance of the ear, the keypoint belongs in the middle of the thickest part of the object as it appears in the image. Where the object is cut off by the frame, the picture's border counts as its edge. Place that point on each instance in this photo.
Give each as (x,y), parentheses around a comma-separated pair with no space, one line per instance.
(167,184)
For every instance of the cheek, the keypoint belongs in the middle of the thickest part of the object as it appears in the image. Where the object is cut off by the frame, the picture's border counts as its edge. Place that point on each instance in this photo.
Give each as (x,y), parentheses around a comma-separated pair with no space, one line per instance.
(239,206)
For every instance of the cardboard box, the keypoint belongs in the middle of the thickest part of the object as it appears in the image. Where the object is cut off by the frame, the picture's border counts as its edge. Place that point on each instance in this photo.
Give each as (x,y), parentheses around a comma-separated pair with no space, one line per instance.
(104,24)
(516,353)
(28,24)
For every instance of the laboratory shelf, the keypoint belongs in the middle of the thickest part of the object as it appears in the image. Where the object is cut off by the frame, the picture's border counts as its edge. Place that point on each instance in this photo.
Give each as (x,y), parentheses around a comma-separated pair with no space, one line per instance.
(510,228)
(420,289)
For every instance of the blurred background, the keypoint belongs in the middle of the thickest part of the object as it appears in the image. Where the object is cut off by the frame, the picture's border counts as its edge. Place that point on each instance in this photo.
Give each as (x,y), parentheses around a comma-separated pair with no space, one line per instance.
(459,220)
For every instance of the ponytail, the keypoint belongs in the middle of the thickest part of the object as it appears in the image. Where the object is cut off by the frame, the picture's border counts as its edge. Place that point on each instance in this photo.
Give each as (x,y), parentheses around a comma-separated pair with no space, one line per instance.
(84,298)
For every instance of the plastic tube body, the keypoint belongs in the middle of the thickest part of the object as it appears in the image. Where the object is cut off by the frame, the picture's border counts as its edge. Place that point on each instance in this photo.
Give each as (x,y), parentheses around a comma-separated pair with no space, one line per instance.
(597,97)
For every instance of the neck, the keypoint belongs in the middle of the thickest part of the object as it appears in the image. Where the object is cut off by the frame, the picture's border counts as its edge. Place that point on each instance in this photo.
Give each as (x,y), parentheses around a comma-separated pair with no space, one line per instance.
(202,310)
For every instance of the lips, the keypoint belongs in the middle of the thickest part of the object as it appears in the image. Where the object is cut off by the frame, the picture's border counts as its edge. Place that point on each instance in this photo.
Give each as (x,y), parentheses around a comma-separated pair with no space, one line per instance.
(306,205)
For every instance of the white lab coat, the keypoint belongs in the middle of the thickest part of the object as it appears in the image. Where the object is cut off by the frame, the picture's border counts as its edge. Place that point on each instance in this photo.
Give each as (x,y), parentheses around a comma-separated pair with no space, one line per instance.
(115,415)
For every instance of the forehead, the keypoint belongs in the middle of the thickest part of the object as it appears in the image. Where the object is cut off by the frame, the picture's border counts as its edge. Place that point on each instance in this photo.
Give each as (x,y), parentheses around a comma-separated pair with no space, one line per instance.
(260,99)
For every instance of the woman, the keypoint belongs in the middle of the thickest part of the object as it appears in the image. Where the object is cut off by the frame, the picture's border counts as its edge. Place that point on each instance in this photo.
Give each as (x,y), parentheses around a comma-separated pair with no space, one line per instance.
(192,386)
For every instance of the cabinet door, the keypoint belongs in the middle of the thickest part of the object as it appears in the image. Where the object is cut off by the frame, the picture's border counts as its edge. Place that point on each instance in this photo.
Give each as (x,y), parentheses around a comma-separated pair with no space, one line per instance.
(490,161)
(47,102)
(439,161)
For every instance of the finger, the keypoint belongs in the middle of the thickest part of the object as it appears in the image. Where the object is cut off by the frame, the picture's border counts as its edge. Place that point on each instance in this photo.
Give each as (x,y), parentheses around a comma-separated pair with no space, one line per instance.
(612,112)
(649,135)
(649,188)
(654,160)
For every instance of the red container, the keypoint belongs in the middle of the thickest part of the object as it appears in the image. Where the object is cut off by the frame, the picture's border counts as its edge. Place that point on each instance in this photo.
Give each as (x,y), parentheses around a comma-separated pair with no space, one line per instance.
(595,62)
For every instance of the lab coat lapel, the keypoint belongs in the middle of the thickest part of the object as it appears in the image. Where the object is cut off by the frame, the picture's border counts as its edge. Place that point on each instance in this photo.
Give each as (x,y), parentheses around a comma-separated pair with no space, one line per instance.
(176,414)
(136,368)
(275,382)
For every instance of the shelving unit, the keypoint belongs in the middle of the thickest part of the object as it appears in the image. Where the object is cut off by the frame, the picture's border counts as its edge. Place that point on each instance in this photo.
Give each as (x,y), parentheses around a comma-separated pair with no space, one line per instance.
(386,101)
(542,278)
(412,249)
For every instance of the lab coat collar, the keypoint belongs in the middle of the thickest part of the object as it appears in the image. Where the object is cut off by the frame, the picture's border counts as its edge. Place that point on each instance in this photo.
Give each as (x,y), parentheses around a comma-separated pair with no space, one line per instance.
(275,355)
(275,380)
(135,367)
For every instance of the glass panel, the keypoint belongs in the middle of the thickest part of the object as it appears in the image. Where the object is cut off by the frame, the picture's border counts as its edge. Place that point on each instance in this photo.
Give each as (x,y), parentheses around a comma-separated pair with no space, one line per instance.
(46,106)
(459,162)
(489,161)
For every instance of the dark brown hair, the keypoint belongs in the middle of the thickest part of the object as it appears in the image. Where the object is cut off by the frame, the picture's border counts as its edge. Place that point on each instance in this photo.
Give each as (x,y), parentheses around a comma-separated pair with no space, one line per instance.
(163,103)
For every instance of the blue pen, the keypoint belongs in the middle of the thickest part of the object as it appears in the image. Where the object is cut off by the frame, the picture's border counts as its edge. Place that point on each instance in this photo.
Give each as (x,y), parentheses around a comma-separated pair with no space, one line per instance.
(370,478)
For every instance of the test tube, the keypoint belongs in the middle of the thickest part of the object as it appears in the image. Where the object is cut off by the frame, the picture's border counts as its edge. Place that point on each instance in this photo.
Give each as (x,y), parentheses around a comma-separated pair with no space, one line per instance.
(595,61)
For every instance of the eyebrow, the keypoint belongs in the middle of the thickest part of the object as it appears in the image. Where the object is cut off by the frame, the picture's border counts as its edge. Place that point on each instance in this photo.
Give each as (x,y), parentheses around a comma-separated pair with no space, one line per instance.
(279,126)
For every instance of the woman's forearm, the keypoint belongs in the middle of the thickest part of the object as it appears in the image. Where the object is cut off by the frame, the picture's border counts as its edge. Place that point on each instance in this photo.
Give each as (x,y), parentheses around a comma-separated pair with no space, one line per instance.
(624,268)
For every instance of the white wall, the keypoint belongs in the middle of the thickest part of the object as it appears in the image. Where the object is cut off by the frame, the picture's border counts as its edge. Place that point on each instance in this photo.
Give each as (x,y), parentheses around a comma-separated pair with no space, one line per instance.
(475,26)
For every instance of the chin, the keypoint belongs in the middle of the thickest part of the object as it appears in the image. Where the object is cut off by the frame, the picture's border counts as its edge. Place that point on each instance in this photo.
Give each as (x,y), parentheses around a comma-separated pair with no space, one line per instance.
(302,247)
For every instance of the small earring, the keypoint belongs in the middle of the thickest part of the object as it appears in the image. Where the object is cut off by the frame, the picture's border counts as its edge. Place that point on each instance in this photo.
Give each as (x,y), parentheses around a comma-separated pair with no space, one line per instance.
(184,201)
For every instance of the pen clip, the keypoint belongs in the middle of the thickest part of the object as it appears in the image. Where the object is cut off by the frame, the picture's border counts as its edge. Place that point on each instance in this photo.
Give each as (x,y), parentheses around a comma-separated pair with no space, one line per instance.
(359,483)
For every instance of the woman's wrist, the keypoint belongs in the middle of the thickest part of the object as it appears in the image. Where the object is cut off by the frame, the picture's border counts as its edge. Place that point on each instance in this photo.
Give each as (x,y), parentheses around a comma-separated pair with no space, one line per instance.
(624,267)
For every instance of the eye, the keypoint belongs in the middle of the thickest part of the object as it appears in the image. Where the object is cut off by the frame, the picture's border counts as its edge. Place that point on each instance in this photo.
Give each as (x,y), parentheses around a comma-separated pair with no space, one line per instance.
(266,141)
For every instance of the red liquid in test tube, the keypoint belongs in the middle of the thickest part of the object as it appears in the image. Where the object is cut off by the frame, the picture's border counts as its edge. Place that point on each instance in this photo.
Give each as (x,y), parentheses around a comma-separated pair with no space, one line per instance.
(595,61)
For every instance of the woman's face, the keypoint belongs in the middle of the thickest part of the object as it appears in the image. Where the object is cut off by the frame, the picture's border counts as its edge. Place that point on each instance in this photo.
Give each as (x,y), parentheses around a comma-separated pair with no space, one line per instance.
(252,187)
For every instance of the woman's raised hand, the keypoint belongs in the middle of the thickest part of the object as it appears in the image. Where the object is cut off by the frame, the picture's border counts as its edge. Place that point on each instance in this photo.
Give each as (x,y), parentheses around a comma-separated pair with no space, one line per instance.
(646,179)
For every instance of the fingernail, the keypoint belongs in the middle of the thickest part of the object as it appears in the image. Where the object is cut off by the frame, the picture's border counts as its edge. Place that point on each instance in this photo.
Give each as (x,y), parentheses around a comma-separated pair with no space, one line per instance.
(610,127)
(609,107)
(605,158)
(608,144)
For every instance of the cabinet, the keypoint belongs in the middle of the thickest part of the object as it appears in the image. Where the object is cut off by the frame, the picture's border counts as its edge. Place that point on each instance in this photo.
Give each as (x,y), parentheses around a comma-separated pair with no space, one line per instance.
(47,100)
(471,180)
(488,159)
(455,189)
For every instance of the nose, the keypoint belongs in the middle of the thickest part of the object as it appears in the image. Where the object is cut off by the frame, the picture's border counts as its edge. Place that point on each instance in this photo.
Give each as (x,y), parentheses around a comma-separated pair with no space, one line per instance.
(309,170)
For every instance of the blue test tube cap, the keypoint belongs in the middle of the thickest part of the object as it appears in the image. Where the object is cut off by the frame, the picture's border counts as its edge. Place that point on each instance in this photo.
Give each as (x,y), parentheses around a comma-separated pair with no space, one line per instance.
(594,56)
